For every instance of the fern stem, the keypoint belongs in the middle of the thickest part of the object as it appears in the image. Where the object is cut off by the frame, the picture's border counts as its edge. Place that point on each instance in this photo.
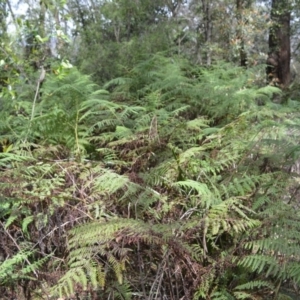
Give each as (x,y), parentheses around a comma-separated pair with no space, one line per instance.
(77,155)
(18,247)
(40,80)
(140,269)
(34,101)
(277,289)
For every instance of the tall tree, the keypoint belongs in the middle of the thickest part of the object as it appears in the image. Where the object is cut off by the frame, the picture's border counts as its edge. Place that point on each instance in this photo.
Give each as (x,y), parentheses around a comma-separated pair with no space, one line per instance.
(278,70)
(3,15)
(3,33)
(208,28)
(240,6)
(114,35)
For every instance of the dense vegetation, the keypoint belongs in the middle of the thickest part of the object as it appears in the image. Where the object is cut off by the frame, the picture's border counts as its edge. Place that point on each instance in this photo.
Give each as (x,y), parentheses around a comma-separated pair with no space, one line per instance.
(143,160)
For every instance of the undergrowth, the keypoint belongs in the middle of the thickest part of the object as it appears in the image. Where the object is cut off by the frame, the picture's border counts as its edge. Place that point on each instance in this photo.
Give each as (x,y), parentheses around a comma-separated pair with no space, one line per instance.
(173,182)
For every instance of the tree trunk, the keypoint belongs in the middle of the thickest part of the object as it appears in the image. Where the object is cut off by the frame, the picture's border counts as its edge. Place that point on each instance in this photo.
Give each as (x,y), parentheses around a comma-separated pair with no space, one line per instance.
(3,16)
(240,37)
(206,6)
(278,69)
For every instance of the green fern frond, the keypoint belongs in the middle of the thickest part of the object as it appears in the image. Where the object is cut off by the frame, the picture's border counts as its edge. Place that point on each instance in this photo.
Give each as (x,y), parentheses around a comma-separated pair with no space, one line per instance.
(257,284)
(121,291)
(259,263)
(222,295)
(19,267)
(243,295)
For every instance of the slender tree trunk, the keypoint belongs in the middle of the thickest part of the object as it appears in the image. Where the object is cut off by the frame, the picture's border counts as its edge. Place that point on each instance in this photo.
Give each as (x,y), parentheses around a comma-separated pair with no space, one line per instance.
(206,5)
(12,15)
(42,19)
(174,6)
(239,33)
(82,20)
(278,69)
(3,34)
(3,16)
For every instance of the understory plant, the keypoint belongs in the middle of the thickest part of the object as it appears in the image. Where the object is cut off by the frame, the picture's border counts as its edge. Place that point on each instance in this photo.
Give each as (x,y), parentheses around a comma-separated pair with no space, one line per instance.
(172,182)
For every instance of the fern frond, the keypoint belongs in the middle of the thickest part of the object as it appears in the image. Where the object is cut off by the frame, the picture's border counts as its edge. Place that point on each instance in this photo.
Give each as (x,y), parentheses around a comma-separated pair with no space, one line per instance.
(257,284)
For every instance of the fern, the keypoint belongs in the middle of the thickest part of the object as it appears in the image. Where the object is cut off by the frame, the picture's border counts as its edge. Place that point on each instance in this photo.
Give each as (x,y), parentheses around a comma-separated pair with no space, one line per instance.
(255,285)
(11,269)
(153,189)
